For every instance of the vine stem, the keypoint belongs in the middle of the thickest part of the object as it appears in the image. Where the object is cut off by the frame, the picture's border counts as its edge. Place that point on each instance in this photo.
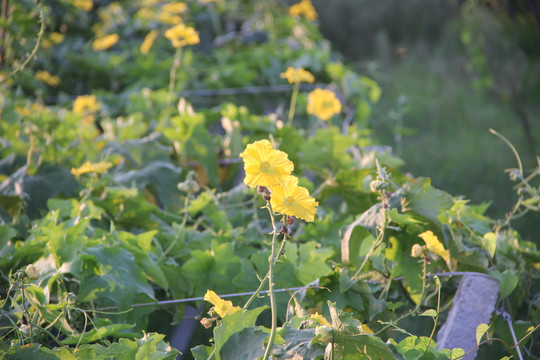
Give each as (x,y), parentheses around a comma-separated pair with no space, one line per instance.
(271,262)
(293,103)
(376,244)
(172,75)
(436,320)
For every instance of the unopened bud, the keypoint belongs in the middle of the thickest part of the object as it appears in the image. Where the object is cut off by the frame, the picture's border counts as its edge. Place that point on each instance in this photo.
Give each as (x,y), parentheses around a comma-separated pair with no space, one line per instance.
(417,250)
(285,230)
(290,220)
(32,272)
(207,322)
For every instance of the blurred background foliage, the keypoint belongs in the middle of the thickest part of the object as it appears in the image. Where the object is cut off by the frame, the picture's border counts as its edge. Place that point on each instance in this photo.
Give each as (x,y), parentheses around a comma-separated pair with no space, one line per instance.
(450,70)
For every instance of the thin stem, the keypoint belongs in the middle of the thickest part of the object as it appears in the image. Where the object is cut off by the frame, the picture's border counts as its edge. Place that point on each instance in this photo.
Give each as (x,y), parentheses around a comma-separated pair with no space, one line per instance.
(437,316)
(273,304)
(182,226)
(376,244)
(511,148)
(27,314)
(172,75)
(293,103)
(257,292)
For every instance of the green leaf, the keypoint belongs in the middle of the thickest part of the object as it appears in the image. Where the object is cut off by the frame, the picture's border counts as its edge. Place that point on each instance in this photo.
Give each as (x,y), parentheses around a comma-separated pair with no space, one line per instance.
(508,280)
(457,353)
(481,329)
(430,312)
(201,352)
(246,344)
(30,351)
(111,274)
(102,332)
(299,342)
(234,323)
(425,200)
(490,243)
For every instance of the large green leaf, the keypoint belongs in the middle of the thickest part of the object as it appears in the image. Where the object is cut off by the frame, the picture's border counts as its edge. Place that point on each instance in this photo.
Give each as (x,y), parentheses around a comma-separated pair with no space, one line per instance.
(425,200)
(247,344)
(234,323)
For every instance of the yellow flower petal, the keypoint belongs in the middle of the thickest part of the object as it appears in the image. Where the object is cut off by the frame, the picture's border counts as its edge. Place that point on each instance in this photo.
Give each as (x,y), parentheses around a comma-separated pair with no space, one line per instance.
(434,246)
(182,35)
(305,8)
(88,167)
(148,41)
(320,319)
(290,199)
(105,42)
(297,75)
(265,166)
(221,307)
(323,103)
(85,104)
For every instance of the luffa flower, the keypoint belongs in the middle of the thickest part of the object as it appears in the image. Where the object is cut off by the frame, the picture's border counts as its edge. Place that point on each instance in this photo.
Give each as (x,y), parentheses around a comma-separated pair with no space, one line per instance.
(297,75)
(434,246)
(265,166)
(182,35)
(323,104)
(290,199)
(221,307)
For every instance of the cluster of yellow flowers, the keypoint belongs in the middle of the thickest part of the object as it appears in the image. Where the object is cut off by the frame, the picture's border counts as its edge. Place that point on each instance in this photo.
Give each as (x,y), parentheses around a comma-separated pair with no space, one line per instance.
(88,167)
(182,35)
(105,42)
(323,103)
(85,104)
(270,168)
(304,7)
(47,78)
(433,246)
(297,76)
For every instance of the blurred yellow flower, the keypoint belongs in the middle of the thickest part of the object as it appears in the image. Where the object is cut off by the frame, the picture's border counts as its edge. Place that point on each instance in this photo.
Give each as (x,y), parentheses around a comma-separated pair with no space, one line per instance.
(47,78)
(210,1)
(85,5)
(265,166)
(221,307)
(88,167)
(23,111)
(434,246)
(148,41)
(290,199)
(175,8)
(182,35)
(297,75)
(304,7)
(85,104)
(168,18)
(323,104)
(105,42)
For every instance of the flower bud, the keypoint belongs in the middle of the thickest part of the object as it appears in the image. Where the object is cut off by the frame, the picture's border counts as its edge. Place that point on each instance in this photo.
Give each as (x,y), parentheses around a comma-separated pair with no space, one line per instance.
(417,250)
(378,185)
(32,272)
(207,322)
(285,230)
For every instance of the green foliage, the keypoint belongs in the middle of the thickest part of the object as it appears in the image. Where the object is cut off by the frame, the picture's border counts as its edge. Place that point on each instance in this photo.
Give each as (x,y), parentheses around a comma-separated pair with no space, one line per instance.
(90,256)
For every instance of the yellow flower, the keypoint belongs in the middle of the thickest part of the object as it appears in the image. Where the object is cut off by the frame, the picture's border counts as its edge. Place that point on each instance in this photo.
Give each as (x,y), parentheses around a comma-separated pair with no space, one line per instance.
(304,7)
(174,8)
(265,166)
(168,18)
(105,42)
(47,78)
(323,104)
(85,103)
(434,246)
(295,76)
(88,167)
(221,307)
(85,5)
(23,111)
(182,35)
(209,1)
(148,41)
(320,319)
(290,199)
